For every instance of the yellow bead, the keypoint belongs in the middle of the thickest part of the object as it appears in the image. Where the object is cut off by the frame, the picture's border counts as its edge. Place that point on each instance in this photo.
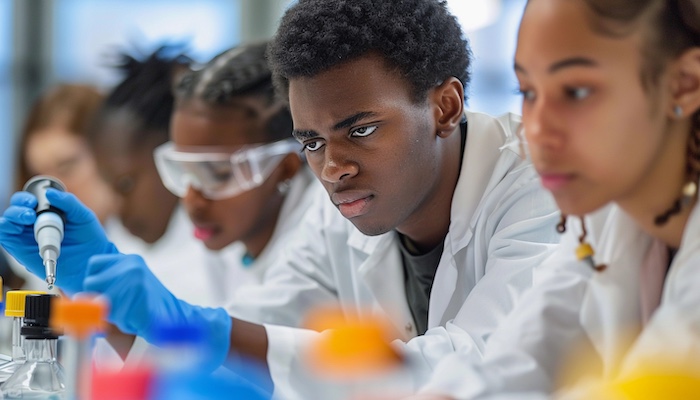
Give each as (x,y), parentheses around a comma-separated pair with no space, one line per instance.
(583,251)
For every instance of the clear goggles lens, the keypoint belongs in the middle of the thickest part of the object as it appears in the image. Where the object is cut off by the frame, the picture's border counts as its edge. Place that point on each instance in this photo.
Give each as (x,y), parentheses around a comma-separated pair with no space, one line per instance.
(220,175)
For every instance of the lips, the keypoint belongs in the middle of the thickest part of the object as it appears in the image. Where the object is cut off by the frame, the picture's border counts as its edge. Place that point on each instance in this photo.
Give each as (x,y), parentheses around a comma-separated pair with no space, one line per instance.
(204,233)
(352,204)
(555,181)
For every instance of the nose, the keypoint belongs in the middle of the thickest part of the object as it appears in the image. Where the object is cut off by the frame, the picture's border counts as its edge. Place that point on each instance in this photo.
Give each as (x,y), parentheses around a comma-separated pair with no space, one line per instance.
(337,165)
(194,200)
(541,127)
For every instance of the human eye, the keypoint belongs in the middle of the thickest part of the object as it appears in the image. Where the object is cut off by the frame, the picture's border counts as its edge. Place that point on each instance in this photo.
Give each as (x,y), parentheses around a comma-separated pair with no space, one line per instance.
(313,145)
(363,131)
(528,94)
(221,171)
(577,92)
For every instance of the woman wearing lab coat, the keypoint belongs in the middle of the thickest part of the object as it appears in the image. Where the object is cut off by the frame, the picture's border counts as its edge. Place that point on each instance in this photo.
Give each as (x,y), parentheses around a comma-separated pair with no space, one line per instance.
(233,163)
(611,115)
(243,221)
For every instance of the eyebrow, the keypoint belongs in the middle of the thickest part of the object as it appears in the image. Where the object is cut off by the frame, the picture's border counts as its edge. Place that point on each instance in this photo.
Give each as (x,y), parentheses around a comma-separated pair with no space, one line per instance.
(345,123)
(565,63)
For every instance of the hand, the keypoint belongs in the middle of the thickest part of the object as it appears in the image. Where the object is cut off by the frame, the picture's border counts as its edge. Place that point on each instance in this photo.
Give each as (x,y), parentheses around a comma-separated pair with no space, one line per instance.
(139,300)
(83,237)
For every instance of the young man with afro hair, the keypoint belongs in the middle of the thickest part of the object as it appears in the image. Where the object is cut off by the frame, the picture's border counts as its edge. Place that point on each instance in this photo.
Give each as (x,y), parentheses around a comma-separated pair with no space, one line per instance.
(431,218)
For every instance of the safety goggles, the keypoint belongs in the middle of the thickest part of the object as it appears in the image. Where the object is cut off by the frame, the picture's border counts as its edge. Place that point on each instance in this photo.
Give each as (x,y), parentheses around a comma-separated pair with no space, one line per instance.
(219,175)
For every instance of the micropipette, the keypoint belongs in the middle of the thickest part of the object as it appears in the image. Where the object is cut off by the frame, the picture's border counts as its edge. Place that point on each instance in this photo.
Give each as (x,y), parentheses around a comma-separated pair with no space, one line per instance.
(48,228)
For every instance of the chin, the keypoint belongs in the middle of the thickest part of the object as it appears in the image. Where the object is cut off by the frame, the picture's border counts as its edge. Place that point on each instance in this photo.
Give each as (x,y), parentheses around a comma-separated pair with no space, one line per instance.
(578,207)
(371,229)
(214,246)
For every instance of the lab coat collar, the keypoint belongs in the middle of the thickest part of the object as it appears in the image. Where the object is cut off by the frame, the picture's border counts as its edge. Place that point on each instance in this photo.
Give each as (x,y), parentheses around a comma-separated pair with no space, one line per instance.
(621,245)
(487,138)
(382,272)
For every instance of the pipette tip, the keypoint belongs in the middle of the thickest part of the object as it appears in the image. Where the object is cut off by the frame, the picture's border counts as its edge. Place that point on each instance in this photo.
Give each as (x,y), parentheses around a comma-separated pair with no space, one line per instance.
(50,280)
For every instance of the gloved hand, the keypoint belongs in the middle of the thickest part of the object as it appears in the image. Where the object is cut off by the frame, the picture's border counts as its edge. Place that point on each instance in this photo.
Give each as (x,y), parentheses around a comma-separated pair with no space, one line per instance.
(83,237)
(139,300)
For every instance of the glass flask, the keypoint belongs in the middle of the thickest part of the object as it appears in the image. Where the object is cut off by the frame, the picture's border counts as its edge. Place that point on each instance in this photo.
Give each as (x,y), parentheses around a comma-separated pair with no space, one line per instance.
(14,308)
(40,376)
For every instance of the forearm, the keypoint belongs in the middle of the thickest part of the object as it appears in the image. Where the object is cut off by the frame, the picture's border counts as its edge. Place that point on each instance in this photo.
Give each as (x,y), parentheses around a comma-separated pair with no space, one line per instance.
(249,340)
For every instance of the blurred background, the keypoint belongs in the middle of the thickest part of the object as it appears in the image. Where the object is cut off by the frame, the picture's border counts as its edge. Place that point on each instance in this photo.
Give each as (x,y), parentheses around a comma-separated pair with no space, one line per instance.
(43,42)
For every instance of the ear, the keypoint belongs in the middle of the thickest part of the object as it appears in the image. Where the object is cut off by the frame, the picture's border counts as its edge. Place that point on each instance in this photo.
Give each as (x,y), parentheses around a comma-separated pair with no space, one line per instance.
(685,83)
(448,105)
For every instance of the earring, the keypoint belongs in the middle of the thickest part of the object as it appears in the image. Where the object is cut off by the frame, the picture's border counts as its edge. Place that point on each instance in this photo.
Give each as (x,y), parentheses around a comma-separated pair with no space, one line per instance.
(283,187)
(678,111)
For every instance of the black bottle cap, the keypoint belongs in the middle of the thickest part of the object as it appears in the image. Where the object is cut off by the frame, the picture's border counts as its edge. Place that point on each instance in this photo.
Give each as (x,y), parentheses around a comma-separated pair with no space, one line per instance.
(37,311)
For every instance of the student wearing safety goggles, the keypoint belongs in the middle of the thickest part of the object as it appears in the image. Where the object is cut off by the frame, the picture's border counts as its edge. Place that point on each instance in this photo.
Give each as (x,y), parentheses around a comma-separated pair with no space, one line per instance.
(232,162)
(431,217)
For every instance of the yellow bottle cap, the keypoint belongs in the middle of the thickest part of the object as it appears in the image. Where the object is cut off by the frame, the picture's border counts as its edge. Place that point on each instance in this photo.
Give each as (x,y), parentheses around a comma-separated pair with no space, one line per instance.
(665,381)
(79,317)
(351,347)
(14,306)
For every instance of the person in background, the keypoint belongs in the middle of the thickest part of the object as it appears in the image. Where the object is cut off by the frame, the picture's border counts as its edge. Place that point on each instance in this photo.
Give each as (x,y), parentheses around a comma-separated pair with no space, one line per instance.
(133,120)
(54,142)
(227,120)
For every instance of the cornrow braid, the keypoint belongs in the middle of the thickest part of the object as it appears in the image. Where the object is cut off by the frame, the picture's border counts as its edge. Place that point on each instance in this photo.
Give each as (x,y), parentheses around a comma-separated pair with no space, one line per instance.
(236,72)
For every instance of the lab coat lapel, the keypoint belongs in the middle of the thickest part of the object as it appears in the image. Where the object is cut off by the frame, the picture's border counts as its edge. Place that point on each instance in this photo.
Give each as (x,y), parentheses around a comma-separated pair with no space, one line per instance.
(486,138)
(382,272)
(611,310)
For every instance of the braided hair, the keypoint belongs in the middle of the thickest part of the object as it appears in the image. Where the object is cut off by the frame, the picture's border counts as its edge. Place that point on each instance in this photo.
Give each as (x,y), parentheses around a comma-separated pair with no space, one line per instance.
(238,72)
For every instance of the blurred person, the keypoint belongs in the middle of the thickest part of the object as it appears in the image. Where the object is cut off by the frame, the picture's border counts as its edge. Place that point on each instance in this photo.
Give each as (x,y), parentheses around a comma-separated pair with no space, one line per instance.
(226,120)
(54,142)
(133,120)
(611,116)
(430,217)
(226,124)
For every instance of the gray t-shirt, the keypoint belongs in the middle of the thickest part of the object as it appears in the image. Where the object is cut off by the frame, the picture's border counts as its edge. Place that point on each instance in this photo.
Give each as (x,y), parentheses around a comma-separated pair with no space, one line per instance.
(419,273)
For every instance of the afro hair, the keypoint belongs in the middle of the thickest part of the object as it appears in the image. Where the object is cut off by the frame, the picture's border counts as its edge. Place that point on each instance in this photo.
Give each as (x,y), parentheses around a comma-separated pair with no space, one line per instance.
(420,39)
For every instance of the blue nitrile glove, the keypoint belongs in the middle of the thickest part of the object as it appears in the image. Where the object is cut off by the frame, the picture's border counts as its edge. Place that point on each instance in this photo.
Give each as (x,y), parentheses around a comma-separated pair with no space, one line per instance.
(138,300)
(83,237)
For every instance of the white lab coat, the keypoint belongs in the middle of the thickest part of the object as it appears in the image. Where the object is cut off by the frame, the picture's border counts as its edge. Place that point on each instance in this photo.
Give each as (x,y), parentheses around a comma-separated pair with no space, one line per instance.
(573,307)
(502,225)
